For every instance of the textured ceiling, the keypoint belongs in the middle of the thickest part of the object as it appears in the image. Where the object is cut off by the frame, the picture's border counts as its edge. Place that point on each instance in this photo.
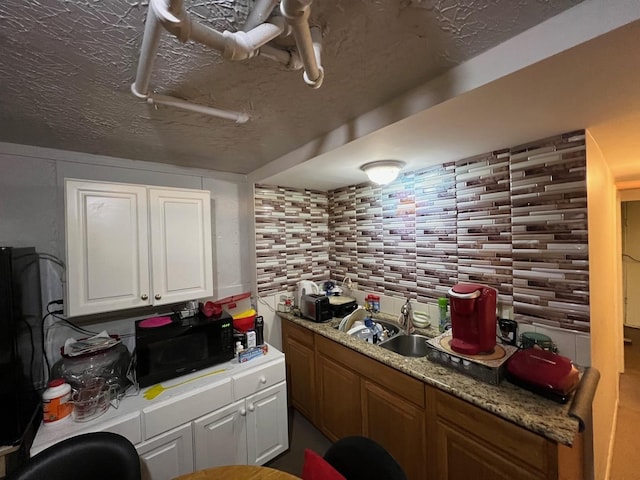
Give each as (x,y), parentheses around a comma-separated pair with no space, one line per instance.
(67,67)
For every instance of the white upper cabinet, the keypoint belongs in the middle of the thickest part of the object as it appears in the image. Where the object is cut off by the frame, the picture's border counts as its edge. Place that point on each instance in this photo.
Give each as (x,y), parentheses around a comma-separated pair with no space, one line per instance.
(180,244)
(131,246)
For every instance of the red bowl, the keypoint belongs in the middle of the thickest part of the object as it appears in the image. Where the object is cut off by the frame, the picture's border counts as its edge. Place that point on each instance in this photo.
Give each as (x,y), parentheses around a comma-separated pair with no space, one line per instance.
(244,324)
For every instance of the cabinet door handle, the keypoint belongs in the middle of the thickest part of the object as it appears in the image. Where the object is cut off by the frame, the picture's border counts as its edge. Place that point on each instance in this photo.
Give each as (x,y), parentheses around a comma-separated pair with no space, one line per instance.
(263,379)
(144,296)
(243,412)
(251,407)
(158,296)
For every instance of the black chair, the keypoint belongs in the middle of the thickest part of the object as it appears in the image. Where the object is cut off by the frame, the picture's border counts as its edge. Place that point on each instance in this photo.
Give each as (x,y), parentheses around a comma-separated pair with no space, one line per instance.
(95,456)
(360,458)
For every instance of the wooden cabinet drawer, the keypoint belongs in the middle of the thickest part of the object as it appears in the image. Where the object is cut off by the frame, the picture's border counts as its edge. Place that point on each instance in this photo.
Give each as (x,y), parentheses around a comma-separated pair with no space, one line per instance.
(298,333)
(515,442)
(248,383)
(183,408)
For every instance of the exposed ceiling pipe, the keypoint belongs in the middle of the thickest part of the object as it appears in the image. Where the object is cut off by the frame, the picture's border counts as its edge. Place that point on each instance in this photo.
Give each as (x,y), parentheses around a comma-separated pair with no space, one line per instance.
(150,42)
(296,13)
(240,45)
(289,58)
(238,117)
(259,13)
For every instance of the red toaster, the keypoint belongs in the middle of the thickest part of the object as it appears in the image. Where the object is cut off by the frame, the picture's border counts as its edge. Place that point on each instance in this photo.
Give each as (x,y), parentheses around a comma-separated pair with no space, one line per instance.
(543,372)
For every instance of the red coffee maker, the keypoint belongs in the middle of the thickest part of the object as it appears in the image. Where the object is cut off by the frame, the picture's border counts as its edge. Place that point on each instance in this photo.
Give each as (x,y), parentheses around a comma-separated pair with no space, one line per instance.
(473,318)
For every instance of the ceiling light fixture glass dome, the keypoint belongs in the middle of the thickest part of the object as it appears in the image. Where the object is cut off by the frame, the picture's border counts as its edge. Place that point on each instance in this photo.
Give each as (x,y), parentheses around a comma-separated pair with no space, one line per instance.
(382,171)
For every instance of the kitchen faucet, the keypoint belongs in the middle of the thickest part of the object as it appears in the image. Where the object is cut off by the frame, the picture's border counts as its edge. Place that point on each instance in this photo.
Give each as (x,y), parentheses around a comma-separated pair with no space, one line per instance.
(406,318)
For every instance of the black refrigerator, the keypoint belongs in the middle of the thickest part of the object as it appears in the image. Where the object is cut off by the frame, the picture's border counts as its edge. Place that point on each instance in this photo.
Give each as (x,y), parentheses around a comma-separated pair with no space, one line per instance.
(21,349)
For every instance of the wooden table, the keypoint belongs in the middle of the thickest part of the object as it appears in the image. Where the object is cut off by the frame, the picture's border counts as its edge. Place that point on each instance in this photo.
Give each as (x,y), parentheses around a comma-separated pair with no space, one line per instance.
(238,472)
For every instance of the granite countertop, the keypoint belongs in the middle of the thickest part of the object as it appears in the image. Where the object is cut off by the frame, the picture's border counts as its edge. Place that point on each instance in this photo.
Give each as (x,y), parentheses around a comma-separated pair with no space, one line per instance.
(533,412)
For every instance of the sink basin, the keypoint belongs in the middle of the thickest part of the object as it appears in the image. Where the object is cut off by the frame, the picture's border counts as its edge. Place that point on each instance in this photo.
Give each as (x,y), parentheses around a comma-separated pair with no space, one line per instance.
(407,345)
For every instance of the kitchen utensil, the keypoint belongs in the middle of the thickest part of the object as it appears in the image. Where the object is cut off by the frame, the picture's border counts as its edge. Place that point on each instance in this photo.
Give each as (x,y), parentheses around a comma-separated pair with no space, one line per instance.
(357,315)
(421,320)
(156,390)
(532,339)
(543,372)
(305,287)
(342,305)
(508,331)
(154,322)
(473,318)
(93,399)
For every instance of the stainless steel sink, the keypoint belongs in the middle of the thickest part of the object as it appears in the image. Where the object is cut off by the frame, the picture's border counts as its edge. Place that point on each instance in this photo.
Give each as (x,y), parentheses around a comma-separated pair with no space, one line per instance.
(407,345)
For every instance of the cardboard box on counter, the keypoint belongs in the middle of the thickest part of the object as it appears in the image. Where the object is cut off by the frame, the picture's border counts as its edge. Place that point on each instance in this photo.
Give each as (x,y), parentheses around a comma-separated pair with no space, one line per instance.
(253,352)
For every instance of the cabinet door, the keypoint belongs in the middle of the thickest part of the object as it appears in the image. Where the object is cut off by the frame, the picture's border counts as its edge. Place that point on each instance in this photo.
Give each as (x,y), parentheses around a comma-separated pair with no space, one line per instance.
(168,455)
(301,378)
(398,425)
(339,406)
(180,245)
(267,424)
(221,437)
(107,247)
(461,457)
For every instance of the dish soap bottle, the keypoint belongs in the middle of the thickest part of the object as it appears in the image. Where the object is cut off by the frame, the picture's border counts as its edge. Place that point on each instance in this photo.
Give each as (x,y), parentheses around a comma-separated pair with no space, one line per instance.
(445,322)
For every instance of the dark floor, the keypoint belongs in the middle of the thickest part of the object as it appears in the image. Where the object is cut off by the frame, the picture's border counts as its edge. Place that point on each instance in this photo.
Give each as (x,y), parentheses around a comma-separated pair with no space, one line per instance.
(302,435)
(625,463)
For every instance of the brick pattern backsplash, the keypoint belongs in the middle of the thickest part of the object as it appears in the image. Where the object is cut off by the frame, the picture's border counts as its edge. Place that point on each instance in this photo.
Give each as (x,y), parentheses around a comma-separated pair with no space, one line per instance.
(483,204)
(342,233)
(292,237)
(514,219)
(436,235)
(549,229)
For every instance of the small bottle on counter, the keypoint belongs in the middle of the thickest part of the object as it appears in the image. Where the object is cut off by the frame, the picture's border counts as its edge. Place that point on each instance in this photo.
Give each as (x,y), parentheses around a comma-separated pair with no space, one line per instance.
(239,348)
(56,401)
(444,321)
(259,330)
(251,339)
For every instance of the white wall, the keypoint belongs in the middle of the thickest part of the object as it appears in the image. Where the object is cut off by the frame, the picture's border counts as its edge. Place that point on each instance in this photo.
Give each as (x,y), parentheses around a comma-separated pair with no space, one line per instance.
(32,205)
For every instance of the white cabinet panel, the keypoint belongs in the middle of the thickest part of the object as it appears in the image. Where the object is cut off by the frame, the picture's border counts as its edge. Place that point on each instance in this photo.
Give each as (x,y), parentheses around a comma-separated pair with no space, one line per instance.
(160,417)
(180,244)
(221,437)
(267,431)
(168,455)
(107,247)
(131,246)
(127,425)
(248,383)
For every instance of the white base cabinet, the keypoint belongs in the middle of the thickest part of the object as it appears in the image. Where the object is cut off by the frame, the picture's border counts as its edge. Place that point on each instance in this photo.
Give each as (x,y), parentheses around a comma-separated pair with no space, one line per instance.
(252,431)
(168,455)
(267,431)
(221,437)
(235,417)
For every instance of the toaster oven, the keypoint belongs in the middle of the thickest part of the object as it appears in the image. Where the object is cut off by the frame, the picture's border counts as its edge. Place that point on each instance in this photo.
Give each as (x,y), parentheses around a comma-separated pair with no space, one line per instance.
(315,307)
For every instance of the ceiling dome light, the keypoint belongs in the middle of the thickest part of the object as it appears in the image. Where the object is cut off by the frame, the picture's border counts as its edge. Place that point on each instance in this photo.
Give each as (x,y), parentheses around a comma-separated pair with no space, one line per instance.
(382,171)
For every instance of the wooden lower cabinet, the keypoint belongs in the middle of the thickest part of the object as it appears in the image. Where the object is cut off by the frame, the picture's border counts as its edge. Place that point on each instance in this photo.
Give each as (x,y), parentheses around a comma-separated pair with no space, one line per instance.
(298,346)
(339,401)
(397,424)
(472,443)
(360,396)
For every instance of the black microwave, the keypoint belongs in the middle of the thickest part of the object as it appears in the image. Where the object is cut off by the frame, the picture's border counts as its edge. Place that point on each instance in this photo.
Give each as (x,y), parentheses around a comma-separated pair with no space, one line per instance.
(169,349)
